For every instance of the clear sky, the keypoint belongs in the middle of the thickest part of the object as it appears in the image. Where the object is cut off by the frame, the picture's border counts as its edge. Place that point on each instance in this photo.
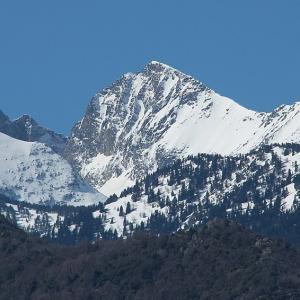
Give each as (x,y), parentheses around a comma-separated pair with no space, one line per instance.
(54,55)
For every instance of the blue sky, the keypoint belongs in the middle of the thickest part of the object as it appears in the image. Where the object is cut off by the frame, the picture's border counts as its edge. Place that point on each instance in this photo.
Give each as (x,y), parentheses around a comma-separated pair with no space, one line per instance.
(54,55)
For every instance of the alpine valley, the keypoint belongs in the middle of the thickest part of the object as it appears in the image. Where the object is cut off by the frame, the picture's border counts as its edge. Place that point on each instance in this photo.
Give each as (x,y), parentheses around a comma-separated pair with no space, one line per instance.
(167,152)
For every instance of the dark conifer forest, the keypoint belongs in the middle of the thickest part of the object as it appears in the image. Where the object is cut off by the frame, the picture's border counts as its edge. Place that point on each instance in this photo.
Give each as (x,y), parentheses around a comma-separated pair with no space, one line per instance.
(221,261)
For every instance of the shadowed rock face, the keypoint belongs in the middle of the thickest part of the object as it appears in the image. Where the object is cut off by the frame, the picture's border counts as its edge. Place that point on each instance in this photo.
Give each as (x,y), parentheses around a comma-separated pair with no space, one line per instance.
(26,128)
(8,127)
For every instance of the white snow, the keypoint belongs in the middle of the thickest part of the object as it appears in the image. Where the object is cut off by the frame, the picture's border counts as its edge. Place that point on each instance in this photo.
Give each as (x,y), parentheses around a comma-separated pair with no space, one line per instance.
(140,212)
(116,184)
(97,164)
(32,172)
(289,200)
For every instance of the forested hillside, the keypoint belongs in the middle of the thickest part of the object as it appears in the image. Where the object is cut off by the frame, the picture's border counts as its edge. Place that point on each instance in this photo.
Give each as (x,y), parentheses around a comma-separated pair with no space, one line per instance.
(259,189)
(222,261)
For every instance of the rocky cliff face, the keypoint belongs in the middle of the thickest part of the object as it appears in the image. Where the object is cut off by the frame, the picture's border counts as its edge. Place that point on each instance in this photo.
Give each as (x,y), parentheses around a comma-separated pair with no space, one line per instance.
(151,118)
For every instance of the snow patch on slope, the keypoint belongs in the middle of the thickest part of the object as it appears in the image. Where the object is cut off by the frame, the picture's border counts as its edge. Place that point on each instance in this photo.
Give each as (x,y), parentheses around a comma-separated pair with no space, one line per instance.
(34,173)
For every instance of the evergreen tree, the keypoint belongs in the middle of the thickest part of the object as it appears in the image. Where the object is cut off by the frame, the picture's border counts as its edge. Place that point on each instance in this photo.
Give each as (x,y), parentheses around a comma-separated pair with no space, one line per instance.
(121,211)
(128,208)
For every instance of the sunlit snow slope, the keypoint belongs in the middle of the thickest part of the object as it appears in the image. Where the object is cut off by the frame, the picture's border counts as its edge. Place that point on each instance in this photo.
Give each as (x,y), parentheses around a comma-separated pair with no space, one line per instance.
(33,172)
(150,118)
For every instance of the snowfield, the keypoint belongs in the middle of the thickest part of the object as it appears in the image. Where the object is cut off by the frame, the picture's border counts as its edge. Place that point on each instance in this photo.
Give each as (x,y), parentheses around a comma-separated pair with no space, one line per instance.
(34,173)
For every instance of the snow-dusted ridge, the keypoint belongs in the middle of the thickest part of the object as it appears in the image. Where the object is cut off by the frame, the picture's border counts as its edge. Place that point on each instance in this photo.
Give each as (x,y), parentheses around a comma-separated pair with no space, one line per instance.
(150,118)
(25,128)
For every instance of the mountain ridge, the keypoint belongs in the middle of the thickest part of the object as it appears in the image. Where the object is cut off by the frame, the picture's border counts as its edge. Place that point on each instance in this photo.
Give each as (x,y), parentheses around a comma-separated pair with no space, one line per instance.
(25,128)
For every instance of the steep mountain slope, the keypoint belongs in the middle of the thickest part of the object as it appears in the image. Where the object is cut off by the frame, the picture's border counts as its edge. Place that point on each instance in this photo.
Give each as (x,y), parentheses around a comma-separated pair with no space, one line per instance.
(196,189)
(149,119)
(64,224)
(261,190)
(26,128)
(33,172)
(222,261)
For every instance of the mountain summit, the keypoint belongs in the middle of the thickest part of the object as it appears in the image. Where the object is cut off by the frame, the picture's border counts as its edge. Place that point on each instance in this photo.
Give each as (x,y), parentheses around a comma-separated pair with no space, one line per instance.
(156,66)
(151,118)
(25,128)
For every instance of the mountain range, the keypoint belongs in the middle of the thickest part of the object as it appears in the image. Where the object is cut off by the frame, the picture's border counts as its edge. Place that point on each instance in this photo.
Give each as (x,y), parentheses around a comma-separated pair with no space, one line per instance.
(157,150)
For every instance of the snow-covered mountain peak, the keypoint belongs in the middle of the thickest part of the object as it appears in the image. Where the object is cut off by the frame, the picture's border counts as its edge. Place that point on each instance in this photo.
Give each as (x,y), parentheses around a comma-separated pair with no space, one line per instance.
(155,62)
(156,66)
(150,118)
(27,123)
(25,118)
(156,83)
